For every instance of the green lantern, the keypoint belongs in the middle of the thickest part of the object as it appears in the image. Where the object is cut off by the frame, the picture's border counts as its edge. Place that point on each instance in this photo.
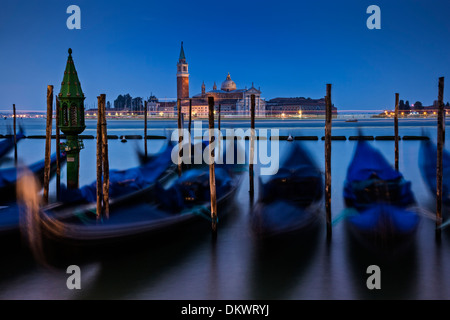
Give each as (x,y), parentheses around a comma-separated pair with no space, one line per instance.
(71,115)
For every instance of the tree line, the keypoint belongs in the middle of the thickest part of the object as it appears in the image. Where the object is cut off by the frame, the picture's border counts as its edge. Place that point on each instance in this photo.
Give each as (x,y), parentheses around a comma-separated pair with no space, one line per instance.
(404,106)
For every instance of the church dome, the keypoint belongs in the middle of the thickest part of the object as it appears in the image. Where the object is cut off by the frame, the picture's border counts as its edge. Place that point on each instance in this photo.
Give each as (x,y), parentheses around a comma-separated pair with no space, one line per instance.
(228,84)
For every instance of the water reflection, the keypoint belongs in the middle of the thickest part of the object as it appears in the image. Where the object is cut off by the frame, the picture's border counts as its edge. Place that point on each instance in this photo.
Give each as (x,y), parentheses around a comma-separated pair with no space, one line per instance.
(398,269)
(278,266)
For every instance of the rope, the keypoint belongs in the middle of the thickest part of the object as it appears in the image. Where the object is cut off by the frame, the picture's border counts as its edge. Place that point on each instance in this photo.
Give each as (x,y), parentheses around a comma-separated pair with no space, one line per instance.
(202,212)
(348,212)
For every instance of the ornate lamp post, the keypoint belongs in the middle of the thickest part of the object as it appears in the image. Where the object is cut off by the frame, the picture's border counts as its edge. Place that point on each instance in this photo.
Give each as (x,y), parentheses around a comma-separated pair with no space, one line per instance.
(71,117)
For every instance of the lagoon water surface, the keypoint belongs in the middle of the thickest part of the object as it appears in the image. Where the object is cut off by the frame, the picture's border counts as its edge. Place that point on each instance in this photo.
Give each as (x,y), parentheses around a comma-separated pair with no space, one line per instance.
(237,266)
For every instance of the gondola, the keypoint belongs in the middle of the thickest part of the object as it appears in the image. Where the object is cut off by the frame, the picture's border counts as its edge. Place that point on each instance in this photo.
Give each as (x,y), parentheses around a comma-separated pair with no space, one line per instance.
(428,168)
(9,210)
(168,206)
(124,185)
(7,144)
(381,201)
(288,201)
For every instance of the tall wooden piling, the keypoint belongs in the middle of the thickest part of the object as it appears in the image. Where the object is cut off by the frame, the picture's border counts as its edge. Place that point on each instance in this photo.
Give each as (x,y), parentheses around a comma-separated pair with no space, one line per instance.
(218,118)
(212,175)
(440,146)
(105,159)
(328,116)
(252,146)
(189,129)
(15,135)
(190,116)
(145,128)
(180,138)
(99,158)
(58,150)
(48,136)
(396,131)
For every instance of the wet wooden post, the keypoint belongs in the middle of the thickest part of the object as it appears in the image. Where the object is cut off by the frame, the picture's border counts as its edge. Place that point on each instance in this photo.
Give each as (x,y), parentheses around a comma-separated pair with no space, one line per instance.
(105,159)
(190,116)
(48,141)
(189,129)
(328,116)
(145,128)
(439,167)
(443,124)
(99,158)
(396,130)
(15,136)
(180,138)
(252,146)
(58,151)
(212,175)
(218,120)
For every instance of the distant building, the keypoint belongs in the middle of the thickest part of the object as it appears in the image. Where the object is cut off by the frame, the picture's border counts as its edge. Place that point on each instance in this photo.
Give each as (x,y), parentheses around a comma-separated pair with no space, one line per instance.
(296,106)
(232,100)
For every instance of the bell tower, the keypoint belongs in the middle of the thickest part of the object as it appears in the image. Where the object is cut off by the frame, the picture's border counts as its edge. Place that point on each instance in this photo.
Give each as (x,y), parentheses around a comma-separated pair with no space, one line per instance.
(182,76)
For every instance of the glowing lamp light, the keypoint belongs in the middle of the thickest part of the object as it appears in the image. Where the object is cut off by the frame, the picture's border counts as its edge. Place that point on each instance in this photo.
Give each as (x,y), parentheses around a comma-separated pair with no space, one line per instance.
(161,114)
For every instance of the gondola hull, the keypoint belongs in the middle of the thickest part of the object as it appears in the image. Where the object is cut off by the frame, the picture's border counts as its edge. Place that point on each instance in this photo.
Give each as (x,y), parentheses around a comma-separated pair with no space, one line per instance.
(288,204)
(381,199)
(384,227)
(128,223)
(283,220)
(9,209)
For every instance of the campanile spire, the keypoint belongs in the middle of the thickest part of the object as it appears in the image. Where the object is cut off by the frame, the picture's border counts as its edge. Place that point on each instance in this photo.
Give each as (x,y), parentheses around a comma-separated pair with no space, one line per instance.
(182,76)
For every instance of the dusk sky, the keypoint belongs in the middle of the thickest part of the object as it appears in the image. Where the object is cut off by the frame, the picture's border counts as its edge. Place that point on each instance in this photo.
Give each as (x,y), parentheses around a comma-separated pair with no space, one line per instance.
(287,48)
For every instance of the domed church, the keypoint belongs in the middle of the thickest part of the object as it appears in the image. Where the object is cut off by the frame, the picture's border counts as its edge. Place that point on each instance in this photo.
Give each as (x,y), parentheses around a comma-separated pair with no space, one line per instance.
(233,101)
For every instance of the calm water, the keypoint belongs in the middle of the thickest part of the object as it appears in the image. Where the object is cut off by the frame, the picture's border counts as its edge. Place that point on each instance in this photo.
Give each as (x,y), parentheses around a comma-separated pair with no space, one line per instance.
(236,266)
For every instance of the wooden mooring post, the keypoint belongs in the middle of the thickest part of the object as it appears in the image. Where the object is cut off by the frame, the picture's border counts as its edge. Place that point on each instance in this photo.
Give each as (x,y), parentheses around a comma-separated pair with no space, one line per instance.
(189,129)
(396,130)
(105,158)
(145,128)
(218,119)
(252,147)
(58,150)
(99,158)
(15,135)
(180,138)
(328,115)
(439,166)
(190,116)
(212,175)
(48,136)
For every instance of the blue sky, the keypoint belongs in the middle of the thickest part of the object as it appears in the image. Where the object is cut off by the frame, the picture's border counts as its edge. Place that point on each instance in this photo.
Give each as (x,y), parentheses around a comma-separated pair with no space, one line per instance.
(288,48)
